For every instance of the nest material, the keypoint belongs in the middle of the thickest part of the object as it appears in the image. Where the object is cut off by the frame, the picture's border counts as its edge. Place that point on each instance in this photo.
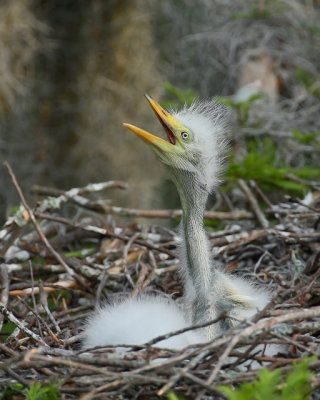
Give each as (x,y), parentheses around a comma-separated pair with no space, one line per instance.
(55,270)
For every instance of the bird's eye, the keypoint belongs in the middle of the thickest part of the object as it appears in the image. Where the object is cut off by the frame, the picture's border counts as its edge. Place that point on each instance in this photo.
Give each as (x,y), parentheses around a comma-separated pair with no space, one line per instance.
(184,135)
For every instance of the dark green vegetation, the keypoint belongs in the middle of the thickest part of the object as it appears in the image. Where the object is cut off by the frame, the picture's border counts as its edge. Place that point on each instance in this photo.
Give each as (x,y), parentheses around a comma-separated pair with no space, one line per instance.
(36,391)
(275,385)
(262,157)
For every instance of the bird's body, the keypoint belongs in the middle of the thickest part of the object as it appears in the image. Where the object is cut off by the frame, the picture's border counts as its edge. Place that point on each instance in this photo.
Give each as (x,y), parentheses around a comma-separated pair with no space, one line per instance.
(193,155)
(137,321)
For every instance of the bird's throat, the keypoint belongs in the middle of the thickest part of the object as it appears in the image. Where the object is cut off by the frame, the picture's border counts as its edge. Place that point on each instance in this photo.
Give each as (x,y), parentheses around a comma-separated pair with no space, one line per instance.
(198,272)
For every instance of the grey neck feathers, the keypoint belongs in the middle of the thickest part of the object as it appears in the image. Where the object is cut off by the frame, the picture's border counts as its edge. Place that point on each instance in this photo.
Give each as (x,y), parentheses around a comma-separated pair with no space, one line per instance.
(198,274)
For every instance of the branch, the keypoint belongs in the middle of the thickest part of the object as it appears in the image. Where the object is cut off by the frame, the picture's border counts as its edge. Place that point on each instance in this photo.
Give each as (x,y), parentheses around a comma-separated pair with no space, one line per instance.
(55,254)
(20,325)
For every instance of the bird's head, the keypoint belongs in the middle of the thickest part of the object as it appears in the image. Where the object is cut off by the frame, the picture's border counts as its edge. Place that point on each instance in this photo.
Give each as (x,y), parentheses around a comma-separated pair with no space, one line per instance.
(196,140)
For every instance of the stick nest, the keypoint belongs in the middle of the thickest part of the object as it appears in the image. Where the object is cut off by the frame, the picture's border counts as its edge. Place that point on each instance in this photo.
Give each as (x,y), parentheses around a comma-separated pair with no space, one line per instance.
(56,268)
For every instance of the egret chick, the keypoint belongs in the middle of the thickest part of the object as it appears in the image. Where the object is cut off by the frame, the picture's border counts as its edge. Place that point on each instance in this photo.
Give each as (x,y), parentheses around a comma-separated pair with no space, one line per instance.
(194,153)
(136,321)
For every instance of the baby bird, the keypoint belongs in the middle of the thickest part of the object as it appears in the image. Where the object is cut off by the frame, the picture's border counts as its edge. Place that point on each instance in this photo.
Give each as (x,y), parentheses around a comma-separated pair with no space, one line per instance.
(193,154)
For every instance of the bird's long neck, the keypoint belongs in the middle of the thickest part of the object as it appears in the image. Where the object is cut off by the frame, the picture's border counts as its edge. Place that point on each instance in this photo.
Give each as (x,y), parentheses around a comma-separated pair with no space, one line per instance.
(198,274)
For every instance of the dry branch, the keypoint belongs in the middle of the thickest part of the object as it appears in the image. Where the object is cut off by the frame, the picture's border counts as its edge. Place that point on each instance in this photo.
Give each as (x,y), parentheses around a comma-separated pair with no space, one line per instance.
(43,238)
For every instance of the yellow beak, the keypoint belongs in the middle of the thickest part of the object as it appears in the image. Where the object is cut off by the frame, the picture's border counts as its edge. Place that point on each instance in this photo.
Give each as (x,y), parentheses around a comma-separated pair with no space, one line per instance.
(149,137)
(169,123)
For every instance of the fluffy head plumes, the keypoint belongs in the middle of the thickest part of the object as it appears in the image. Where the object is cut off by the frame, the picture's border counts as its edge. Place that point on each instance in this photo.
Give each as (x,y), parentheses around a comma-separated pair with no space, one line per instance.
(206,151)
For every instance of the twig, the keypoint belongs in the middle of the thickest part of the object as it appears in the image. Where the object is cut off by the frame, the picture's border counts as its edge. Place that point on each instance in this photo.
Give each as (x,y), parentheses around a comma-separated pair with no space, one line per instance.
(40,320)
(91,188)
(95,391)
(125,256)
(247,237)
(20,325)
(17,377)
(261,325)
(187,329)
(103,281)
(260,193)
(140,282)
(74,195)
(103,232)
(43,301)
(254,204)
(13,230)
(127,212)
(58,285)
(35,308)
(4,289)
(7,350)
(254,185)
(298,201)
(315,276)
(174,379)
(43,238)
(209,388)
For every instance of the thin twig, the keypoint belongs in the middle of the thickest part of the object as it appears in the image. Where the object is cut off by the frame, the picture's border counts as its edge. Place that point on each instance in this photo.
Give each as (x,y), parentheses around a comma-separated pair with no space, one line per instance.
(4,275)
(261,325)
(254,204)
(102,231)
(41,235)
(9,315)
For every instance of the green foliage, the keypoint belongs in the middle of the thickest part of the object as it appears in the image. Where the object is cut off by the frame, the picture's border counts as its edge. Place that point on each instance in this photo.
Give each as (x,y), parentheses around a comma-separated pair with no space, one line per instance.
(258,10)
(173,396)
(309,81)
(251,15)
(14,209)
(314,29)
(39,391)
(261,10)
(262,166)
(81,253)
(7,328)
(276,386)
(297,384)
(304,137)
(242,107)
(13,388)
(178,97)
(213,224)
(36,391)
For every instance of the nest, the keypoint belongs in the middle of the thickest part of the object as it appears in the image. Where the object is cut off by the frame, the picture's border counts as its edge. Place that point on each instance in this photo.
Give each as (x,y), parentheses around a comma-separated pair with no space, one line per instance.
(56,269)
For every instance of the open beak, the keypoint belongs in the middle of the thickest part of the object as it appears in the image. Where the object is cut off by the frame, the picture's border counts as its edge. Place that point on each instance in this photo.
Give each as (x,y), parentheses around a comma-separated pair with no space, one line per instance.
(169,123)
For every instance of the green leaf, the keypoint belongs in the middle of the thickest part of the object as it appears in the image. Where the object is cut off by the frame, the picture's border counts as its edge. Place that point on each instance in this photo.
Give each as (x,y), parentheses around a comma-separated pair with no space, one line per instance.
(173,396)
(12,389)
(304,77)
(288,185)
(272,385)
(8,328)
(184,97)
(39,391)
(308,173)
(225,101)
(80,253)
(304,137)
(297,386)
(245,392)
(265,386)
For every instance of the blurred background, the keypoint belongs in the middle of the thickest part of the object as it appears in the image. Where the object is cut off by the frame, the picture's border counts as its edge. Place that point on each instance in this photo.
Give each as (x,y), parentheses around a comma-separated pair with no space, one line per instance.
(72,71)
